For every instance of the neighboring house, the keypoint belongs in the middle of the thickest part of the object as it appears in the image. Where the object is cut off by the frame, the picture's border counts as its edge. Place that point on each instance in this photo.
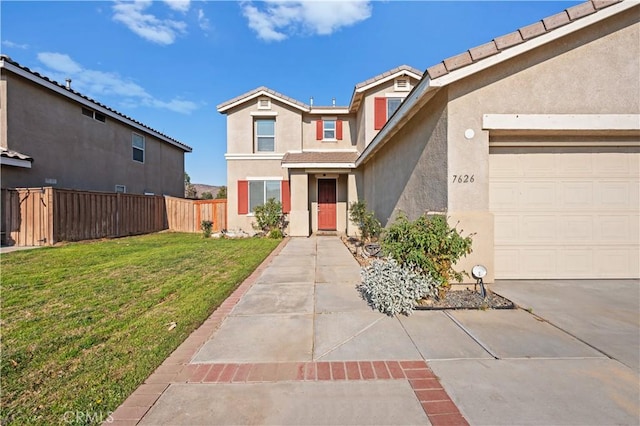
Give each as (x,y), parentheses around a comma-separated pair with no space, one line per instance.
(51,135)
(531,142)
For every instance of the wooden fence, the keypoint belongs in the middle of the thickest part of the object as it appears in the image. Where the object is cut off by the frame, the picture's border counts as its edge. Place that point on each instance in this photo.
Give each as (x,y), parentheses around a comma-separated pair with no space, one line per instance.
(44,216)
(187,215)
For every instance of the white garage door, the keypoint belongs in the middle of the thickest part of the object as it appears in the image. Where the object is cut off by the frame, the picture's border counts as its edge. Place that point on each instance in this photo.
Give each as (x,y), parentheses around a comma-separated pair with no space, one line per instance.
(565,214)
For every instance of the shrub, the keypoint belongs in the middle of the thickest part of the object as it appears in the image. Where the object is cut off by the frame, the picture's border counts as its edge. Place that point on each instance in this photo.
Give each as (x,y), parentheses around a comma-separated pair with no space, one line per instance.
(428,243)
(365,220)
(206,226)
(276,234)
(392,288)
(269,216)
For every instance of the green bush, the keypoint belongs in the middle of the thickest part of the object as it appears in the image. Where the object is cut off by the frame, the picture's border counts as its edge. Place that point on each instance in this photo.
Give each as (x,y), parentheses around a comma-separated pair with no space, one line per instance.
(365,220)
(206,226)
(392,288)
(276,234)
(269,216)
(428,243)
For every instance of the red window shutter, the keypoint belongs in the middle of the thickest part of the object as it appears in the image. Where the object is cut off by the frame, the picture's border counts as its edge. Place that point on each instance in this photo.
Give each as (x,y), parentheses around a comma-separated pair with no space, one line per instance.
(243,197)
(286,197)
(339,130)
(379,113)
(319,130)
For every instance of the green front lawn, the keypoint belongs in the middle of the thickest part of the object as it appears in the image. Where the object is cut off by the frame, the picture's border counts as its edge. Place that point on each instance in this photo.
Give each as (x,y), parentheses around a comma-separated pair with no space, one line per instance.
(84,324)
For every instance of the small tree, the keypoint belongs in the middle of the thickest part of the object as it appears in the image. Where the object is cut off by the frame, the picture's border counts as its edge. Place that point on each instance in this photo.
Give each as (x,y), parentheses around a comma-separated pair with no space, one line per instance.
(365,220)
(222,193)
(189,189)
(207,196)
(269,218)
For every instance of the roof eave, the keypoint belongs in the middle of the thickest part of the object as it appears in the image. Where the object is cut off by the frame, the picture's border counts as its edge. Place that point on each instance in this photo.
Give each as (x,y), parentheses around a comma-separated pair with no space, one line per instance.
(429,86)
(223,108)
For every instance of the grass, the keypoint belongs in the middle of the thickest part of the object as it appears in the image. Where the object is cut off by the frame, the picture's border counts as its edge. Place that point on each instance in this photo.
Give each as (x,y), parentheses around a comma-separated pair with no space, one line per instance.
(84,324)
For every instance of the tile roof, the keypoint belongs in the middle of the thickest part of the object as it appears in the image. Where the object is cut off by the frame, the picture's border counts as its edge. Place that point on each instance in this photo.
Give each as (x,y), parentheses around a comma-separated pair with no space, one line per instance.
(387,74)
(7,153)
(266,90)
(521,35)
(7,59)
(320,157)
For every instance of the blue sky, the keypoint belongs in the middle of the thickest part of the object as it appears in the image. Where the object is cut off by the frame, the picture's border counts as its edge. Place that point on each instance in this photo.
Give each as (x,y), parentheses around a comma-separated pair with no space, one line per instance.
(169,63)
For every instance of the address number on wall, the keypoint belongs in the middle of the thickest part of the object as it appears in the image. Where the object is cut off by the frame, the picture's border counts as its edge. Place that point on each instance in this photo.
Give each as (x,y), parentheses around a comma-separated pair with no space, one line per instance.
(463,179)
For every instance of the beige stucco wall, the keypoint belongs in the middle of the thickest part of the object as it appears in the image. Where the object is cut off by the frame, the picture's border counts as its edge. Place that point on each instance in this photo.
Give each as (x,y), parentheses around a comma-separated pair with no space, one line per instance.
(593,71)
(78,151)
(240,128)
(309,133)
(247,169)
(366,127)
(409,173)
(3,113)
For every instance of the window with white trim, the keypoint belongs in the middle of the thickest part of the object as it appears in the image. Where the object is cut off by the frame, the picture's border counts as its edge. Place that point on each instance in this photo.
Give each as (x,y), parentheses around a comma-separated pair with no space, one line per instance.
(94,114)
(329,129)
(392,105)
(121,188)
(137,143)
(265,135)
(260,191)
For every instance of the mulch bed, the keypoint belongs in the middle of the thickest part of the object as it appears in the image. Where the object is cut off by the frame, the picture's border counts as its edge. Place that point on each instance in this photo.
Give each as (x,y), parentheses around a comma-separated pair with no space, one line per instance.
(466,299)
(454,299)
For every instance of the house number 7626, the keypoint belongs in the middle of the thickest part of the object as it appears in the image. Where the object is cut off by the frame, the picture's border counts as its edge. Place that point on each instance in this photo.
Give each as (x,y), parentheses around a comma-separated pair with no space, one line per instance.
(463,179)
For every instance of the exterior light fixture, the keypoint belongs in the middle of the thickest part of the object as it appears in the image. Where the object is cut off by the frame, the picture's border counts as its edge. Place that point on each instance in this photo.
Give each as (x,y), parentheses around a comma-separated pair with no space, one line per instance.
(479,272)
(469,134)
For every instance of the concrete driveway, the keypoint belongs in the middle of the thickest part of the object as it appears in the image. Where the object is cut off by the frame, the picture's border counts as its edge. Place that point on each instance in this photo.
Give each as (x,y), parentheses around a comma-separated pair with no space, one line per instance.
(295,344)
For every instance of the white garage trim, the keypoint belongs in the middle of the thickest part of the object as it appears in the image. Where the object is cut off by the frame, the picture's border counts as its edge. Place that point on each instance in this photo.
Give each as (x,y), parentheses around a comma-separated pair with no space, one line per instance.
(565,122)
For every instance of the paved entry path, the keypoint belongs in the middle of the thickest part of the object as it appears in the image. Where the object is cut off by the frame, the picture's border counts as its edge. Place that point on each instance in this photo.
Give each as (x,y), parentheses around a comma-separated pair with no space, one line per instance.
(296,345)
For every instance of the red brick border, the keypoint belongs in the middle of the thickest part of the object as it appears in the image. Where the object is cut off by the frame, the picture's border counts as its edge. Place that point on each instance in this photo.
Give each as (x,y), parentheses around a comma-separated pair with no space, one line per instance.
(435,401)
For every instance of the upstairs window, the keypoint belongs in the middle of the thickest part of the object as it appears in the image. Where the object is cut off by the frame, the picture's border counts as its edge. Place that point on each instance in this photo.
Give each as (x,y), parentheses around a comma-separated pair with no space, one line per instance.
(329,129)
(383,109)
(137,143)
(94,114)
(392,105)
(265,135)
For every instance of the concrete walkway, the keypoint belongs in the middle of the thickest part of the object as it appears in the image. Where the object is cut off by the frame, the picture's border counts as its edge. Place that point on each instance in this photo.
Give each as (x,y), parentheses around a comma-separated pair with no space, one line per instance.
(296,345)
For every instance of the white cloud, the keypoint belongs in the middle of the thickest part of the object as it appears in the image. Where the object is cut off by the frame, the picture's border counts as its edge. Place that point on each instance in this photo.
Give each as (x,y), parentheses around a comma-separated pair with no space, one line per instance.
(100,84)
(277,19)
(203,21)
(179,5)
(148,26)
(13,45)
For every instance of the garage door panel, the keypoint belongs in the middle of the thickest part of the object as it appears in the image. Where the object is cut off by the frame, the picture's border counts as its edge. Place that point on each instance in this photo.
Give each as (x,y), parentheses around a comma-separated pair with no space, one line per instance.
(577,229)
(537,195)
(566,214)
(537,228)
(576,195)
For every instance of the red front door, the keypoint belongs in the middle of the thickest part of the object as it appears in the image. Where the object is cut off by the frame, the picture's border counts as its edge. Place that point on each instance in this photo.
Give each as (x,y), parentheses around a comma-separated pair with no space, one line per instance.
(327,204)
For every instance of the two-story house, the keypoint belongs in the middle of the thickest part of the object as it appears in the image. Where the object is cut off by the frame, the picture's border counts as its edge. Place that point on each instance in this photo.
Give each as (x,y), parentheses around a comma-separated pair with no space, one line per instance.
(304,155)
(531,142)
(52,135)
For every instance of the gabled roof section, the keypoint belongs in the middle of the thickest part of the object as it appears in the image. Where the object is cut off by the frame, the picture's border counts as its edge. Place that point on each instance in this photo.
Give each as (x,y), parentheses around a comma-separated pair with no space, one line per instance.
(261,91)
(497,51)
(522,35)
(363,86)
(10,65)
